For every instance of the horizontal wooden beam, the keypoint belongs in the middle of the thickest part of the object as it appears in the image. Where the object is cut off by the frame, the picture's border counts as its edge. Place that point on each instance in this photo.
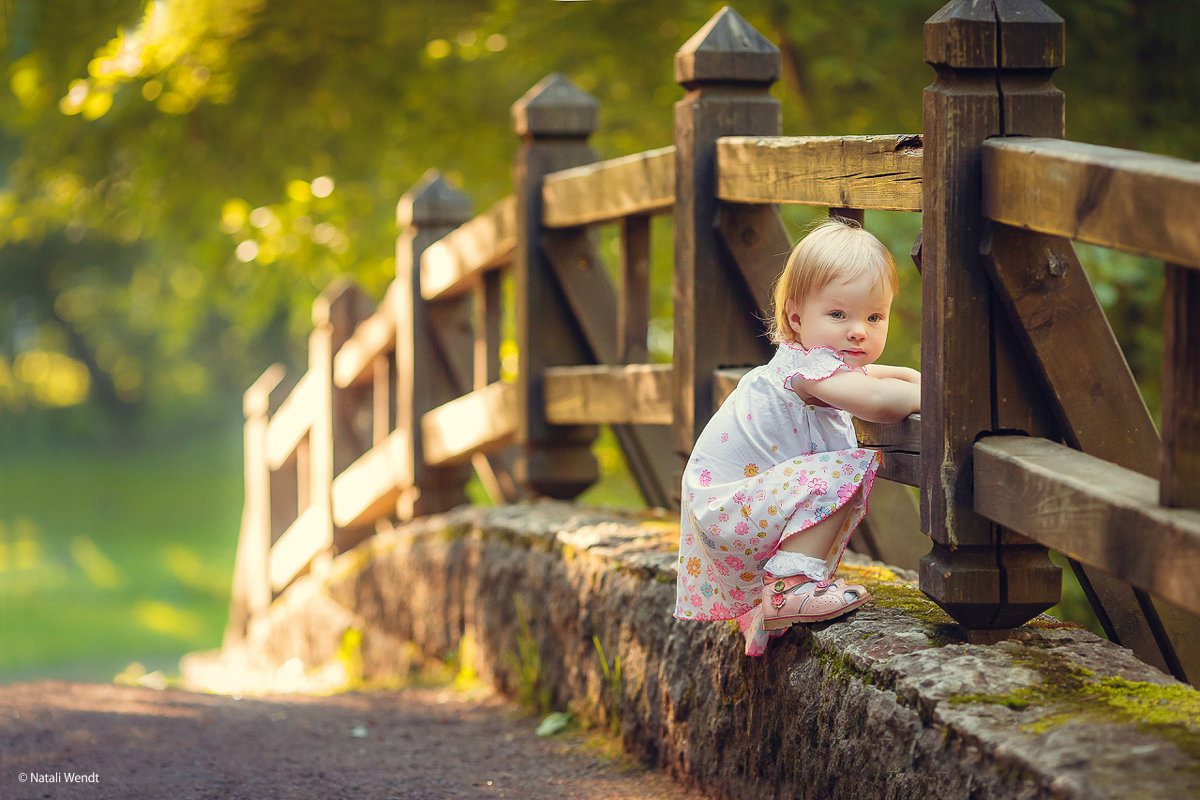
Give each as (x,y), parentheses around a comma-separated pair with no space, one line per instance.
(481,421)
(367,490)
(606,191)
(1123,199)
(638,394)
(903,436)
(376,335)
(1091,510)
(299,544)
(877,172)
(452,265)
(292,421)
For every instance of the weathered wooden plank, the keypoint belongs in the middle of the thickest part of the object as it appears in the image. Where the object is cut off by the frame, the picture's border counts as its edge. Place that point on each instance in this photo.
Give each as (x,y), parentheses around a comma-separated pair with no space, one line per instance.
(482,420)
(1136,202)
(309,536)
(903,436)
(352,365)
(634,393)
(877,172)
(580,275)
(1087,508)
(633,295)
(291,422)
(1180,475)
(643,183)
(368,489)
(759,243)
(451,265)
(1064,330)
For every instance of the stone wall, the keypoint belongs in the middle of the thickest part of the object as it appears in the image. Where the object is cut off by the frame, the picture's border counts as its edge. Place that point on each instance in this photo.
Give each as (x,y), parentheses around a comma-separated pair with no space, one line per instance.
(888,702)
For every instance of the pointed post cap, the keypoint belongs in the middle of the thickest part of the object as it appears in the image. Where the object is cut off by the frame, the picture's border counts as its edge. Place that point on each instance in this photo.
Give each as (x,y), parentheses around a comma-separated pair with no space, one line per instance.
(1032,36)
(555,107)
(962,34)
(433,203)
(727,50)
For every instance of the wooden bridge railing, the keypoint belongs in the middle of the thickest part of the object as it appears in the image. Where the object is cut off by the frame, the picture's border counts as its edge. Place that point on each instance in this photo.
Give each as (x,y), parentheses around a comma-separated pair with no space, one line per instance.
(1032,433)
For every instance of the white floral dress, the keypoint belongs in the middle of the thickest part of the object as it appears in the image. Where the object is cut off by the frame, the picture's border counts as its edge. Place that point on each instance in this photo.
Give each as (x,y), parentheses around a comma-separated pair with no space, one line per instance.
(766,466)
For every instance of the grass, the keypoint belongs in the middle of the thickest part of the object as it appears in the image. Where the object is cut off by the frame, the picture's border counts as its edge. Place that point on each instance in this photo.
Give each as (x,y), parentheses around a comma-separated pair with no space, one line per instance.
(112,557)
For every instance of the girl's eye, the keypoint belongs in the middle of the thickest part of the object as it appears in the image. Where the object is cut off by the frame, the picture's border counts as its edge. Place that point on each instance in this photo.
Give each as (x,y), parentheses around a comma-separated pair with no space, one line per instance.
(875,318)
(837,314)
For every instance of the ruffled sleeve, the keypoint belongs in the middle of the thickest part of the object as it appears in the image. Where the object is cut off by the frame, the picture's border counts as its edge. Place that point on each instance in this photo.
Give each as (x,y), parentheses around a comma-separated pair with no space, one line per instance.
(793,361)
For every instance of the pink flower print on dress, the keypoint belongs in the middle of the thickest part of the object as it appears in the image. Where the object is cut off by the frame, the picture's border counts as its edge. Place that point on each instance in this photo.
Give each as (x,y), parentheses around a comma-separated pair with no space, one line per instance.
(858,453)
(721,568)
(719,609)
(724,438)
(740,608)
(723,517)
(735,562)
(846,491)
(739,497)
(742,528)
(737,594)
(818,486)
(696,601)
(705,478)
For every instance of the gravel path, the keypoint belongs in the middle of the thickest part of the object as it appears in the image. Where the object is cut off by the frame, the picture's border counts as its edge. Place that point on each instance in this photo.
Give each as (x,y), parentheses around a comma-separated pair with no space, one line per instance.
(130,743)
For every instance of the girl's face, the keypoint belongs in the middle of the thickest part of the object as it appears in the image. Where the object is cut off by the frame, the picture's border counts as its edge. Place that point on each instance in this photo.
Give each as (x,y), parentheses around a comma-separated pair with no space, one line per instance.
(850,317)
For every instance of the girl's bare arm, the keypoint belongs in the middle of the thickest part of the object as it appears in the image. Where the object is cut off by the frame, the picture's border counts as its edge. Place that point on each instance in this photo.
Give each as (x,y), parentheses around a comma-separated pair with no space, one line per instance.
(899,373)
(875,399)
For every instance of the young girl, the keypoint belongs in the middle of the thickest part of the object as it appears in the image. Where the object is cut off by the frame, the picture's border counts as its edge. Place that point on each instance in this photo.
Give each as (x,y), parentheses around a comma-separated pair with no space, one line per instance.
(776,482)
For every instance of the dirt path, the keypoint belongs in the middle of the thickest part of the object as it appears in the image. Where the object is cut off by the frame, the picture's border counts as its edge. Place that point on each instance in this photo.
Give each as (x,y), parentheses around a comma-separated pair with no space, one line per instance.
(413,743)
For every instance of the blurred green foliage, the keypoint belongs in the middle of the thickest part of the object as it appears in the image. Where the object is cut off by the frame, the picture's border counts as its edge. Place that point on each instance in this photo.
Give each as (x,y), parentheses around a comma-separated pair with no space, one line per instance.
(179,178)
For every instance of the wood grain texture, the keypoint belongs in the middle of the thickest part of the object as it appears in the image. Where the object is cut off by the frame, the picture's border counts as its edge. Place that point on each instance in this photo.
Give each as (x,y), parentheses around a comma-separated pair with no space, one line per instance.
(291,422)
(352,365)
(876,172)
(1180,476)
(368,489)
(632,394)
(727,68)
(483,420)
(1135,202)
(759,243)
(606,191)
(1084,507)
(451,266)
(309,536)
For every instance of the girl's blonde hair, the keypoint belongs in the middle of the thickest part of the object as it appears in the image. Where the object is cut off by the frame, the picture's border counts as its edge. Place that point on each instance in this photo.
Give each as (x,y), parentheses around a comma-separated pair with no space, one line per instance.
(835,249)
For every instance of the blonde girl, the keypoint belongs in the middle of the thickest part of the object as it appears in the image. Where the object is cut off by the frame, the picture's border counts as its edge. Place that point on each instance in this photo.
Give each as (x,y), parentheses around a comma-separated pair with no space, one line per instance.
(776,482)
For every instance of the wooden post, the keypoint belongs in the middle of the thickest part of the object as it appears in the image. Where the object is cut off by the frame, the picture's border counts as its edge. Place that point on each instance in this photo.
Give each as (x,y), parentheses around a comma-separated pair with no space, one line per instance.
(726,69)
(1180,479)
(340,431)
(993,64)
(251,592)
(553,120)
(428,343)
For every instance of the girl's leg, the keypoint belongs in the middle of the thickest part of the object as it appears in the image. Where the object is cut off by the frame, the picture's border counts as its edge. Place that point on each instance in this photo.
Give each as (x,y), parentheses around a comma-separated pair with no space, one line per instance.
(818,540)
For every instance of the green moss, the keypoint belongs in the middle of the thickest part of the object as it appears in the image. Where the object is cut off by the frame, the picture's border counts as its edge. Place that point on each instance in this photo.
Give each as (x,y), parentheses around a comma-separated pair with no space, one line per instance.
(909,600)
(1070,693)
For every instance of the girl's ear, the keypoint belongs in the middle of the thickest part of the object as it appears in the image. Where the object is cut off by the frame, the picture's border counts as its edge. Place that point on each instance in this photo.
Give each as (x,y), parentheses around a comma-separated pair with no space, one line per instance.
(793,316)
